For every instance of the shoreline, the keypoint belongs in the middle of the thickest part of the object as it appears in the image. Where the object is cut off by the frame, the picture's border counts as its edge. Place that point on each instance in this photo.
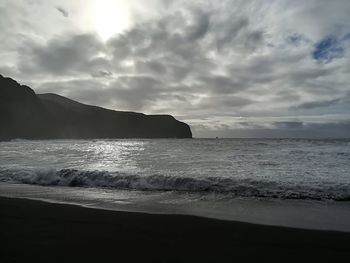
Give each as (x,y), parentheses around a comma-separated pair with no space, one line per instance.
(301,214)
(51,232)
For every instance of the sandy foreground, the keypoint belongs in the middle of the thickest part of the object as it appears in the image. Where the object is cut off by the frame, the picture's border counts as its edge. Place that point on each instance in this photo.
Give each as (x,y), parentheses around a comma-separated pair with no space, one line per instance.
(35,231)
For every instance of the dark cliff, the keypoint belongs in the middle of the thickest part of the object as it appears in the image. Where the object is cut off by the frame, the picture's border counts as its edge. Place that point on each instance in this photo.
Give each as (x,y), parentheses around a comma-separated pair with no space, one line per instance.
(23,114)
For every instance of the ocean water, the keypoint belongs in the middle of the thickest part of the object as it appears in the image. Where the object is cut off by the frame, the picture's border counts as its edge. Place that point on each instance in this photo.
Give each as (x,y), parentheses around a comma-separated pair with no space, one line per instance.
(223,178)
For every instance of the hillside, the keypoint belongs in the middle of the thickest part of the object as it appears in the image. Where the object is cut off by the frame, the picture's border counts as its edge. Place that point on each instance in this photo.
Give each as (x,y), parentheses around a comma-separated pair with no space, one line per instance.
(24,114)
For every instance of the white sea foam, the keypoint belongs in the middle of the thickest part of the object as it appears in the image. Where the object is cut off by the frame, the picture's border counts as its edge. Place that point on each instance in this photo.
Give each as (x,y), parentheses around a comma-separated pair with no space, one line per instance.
(230,186)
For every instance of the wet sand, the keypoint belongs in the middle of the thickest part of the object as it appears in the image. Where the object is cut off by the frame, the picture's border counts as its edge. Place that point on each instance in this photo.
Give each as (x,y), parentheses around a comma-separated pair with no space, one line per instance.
(35,231)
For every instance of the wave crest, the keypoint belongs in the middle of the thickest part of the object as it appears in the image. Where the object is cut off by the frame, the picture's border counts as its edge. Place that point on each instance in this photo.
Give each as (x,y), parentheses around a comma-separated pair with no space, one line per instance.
(233,186)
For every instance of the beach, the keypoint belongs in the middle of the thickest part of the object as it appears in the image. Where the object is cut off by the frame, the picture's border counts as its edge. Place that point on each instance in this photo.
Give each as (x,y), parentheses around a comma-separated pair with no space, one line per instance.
(47,232)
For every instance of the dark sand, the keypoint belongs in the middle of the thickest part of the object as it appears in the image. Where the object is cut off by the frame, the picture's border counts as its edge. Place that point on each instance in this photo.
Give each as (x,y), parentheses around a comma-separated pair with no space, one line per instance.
(34,231)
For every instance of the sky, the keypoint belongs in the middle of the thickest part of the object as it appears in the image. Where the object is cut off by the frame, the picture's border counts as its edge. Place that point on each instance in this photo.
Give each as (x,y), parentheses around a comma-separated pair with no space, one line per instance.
(230,68)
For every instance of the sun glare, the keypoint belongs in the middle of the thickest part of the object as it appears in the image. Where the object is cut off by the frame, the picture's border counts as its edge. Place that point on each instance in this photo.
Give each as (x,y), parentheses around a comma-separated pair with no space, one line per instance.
(110,17)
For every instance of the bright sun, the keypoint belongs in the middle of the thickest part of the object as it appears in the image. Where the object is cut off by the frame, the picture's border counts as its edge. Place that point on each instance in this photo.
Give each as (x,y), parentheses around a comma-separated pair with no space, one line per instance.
(109,17)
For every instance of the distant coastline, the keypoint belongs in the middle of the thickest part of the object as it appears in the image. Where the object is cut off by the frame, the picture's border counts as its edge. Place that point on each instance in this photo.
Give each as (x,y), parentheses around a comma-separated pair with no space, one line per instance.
(26,115)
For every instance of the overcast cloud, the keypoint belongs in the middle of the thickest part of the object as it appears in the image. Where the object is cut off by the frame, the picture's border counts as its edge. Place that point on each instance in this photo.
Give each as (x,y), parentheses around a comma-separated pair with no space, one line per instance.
(229,68)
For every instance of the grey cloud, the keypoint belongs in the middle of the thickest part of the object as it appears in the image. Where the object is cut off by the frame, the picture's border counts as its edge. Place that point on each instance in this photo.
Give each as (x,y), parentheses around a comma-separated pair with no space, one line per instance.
(302,130)
(200,27)
(254,39)
(7,71)
(221,84)
(340,127)
(101,73)
(151,67)
(136,92)
(288,125)
(224,102)
(5,19)
(296,39)
(182,37)
(83,90)
(156,48)
(127,93)
(226,32)
(318,104)
(63,11)
(287,95)
(64,55)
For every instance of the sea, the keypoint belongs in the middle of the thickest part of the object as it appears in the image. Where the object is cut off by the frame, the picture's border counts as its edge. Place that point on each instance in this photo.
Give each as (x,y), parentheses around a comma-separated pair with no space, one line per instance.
(303,183)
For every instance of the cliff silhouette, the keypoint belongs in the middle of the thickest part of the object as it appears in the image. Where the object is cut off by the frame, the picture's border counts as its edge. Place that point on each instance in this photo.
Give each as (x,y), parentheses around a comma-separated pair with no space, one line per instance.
(26,115)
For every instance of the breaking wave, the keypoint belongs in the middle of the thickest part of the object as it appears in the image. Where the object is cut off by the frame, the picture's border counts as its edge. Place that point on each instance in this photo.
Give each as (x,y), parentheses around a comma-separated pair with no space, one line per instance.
(233,186)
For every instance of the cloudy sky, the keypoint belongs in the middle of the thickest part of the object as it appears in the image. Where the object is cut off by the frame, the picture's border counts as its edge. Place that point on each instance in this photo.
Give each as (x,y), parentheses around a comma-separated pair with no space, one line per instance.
(230,68)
